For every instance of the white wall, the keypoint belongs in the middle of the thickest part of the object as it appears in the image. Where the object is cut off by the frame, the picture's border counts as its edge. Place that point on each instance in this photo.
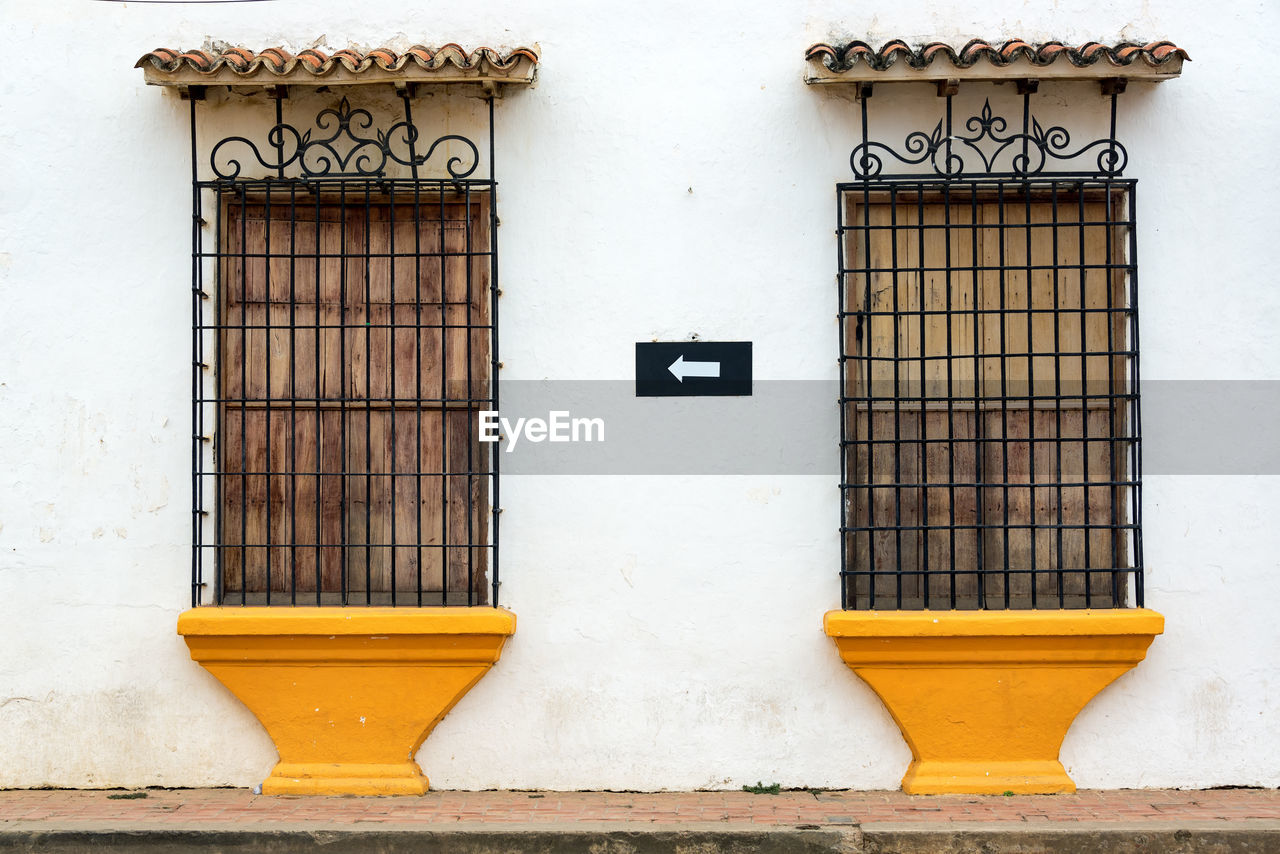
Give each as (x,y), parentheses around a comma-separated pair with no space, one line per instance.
(669,627)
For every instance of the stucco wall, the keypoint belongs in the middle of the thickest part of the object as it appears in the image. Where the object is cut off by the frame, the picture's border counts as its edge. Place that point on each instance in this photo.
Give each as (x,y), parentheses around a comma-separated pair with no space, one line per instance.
(670,173)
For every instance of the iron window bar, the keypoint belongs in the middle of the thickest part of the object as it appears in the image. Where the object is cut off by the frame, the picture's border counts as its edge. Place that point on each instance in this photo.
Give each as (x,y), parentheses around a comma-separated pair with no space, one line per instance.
(305,280)
(983,466)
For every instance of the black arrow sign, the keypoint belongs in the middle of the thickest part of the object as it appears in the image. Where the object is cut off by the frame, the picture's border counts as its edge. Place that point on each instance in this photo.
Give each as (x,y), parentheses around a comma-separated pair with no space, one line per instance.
(693,368)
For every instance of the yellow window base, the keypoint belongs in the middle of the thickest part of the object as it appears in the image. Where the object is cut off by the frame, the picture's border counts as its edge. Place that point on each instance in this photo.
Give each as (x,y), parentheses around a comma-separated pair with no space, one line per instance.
(985,698)
(348,695)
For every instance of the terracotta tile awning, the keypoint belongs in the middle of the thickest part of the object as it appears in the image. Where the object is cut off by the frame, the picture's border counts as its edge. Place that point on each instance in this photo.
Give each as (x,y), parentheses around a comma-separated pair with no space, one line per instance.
(858,62)
(275,66)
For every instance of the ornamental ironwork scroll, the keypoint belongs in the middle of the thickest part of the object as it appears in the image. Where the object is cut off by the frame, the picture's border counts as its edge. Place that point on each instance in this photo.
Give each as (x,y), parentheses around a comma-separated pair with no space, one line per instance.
(344,143)
(990,145)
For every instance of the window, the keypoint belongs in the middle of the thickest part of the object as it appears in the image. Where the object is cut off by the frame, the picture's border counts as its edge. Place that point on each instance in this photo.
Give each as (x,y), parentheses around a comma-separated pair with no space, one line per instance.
(990,427)
(344,307)
(990,407)
(353,354)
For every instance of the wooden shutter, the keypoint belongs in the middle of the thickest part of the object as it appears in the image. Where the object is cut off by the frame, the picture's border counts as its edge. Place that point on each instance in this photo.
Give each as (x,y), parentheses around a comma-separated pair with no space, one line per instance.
(347,445)
(937,280)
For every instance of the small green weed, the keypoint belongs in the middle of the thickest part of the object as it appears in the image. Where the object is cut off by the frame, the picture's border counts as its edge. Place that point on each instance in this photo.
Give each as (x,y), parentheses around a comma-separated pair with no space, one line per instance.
(761,789)
(1007,793)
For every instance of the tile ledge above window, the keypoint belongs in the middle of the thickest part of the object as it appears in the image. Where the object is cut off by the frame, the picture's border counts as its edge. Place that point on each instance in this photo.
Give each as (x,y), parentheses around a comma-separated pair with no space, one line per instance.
(244,69)
(856,62)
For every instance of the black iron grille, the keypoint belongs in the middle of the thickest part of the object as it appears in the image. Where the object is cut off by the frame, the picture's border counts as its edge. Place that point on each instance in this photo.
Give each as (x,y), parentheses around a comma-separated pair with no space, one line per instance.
(990,416)
(352,327)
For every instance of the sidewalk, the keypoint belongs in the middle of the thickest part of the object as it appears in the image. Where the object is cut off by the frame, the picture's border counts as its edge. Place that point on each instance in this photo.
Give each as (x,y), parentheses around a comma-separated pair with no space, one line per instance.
(1146,820)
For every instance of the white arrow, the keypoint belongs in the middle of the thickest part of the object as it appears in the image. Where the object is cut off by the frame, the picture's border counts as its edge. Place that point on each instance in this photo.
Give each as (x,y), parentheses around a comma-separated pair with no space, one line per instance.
(681,369)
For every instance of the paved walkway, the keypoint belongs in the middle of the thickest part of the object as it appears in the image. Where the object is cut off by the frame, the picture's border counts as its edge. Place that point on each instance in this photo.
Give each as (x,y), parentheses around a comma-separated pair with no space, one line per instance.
(188,819)
(239,806)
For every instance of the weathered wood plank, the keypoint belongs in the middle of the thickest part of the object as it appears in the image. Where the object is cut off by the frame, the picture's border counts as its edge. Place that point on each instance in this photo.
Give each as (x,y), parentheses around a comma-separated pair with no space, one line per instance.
(1032,324)
(341,471)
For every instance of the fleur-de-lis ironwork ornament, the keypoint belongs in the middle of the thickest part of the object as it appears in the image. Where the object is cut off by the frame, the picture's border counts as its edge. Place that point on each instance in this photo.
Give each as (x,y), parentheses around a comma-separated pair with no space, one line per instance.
(1024,153)
(345,151)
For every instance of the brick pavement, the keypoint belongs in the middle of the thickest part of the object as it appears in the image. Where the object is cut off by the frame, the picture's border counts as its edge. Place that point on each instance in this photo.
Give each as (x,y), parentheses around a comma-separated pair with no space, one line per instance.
(194,808)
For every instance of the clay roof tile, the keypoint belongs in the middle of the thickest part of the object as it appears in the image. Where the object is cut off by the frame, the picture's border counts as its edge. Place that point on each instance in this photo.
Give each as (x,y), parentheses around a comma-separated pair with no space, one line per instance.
(313,58)
(276,61)
(198,59)
(276,57)
(383,57)
(840,58)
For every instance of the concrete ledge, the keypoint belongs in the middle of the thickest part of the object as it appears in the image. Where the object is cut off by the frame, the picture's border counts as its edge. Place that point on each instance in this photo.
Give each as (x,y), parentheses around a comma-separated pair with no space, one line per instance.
(1222,837)
(347,694)
(984,699)
(539,840)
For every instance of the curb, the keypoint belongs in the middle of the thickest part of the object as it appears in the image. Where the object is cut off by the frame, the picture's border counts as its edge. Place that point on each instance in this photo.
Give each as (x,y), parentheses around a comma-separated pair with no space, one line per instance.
(1242,837)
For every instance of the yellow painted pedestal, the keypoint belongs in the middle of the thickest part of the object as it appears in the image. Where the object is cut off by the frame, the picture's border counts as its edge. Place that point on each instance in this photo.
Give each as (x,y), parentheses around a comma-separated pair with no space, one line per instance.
(984,699)
(348,695)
